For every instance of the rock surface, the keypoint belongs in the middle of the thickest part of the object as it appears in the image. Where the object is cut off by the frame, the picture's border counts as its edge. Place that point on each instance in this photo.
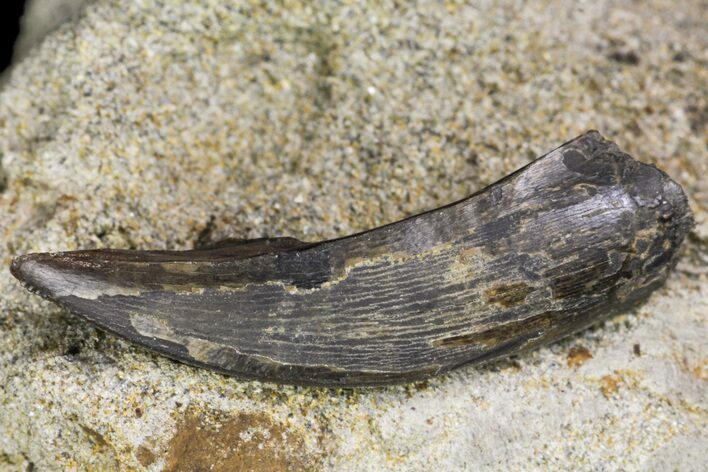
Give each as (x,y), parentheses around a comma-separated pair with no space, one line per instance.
(162,124)
(40,18)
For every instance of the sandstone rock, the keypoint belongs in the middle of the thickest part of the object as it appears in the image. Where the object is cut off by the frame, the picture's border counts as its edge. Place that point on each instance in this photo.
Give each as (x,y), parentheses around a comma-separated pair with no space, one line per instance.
(154,124)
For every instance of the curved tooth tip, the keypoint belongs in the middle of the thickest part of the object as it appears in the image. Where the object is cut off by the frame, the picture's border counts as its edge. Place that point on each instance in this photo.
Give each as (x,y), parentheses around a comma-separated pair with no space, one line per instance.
(37,272)
(28,269)
(21,267)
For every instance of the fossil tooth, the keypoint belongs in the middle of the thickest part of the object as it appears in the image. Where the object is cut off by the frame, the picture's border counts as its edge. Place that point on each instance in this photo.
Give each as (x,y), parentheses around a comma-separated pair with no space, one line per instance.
(581,233)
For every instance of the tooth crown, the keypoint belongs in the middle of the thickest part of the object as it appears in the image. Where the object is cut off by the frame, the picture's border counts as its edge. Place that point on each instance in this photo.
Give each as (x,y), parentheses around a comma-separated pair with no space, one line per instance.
(578,235)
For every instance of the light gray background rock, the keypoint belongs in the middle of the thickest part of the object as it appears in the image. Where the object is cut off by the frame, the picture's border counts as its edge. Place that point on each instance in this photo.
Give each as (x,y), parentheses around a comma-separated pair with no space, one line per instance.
(137,124)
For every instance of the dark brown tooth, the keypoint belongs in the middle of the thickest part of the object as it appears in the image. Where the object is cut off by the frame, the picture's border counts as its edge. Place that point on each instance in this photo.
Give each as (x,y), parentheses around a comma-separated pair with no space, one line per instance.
(578,235)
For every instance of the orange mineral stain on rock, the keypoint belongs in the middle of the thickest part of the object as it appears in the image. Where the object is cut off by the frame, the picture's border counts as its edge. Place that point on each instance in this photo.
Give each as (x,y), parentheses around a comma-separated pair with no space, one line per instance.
(577,356)
(698,368)
(609,384)
(245,442)
(145,456)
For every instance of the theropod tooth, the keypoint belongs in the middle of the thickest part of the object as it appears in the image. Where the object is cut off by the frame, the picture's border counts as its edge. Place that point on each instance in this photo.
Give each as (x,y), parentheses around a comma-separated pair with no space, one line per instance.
(577,235)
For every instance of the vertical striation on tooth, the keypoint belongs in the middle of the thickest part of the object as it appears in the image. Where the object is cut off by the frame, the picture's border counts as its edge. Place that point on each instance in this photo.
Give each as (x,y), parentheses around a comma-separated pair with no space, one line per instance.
(580,234)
